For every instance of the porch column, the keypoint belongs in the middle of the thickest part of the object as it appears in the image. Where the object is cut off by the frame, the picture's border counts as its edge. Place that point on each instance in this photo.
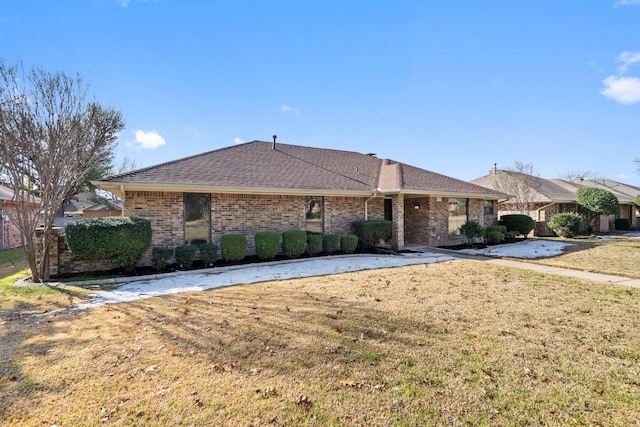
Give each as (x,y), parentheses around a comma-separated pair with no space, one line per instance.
(397,237)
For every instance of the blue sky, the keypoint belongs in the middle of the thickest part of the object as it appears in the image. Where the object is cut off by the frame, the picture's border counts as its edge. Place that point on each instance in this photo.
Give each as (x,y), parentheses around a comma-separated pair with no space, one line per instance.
(452,87)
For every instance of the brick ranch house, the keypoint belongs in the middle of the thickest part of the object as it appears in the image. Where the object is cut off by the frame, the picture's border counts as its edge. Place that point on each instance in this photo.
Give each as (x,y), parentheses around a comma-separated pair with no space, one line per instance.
(259,186)
(551,196)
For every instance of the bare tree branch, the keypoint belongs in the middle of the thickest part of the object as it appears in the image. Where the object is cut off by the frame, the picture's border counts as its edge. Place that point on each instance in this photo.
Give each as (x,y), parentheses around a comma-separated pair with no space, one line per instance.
(520,182)
(52,138)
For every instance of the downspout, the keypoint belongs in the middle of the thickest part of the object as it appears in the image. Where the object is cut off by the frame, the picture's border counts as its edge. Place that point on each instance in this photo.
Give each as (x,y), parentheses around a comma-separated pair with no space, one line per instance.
(366,205)
(122,193)
(2,215)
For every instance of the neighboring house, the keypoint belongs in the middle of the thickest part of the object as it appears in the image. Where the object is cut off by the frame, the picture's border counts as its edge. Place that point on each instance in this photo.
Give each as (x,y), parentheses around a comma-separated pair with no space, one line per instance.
(86,205)
(10,236)
(551,196)
(259,186)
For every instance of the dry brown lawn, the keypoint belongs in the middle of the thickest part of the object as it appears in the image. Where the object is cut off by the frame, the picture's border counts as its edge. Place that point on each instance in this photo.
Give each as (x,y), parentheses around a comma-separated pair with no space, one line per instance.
(619,256)
(456,343)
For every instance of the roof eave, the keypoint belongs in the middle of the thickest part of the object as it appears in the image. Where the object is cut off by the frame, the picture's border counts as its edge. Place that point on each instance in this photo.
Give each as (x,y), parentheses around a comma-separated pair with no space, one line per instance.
(118,188)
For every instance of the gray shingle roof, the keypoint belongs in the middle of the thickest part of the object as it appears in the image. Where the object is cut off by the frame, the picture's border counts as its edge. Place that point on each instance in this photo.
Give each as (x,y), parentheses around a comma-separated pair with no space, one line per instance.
(258,165)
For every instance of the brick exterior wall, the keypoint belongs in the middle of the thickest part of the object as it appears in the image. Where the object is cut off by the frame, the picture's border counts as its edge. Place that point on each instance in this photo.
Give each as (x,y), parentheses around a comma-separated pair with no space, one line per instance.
(248,214)
(429,225)
(11,232)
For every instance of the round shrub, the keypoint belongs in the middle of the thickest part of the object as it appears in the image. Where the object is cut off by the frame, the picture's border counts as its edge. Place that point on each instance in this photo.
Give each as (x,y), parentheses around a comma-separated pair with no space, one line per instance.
(185,255)
(349,243)
(472,230)
(495,237)
(267,244)
(566,224)
(523,224)
(371,232)
(208,253)
(233,247)
(499,228)
(160,257)
(314,242)
(622,224)
(294,242)
(330,243)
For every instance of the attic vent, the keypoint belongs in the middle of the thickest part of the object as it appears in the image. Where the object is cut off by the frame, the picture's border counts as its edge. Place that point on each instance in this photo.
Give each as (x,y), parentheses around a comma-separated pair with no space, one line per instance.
(371,154)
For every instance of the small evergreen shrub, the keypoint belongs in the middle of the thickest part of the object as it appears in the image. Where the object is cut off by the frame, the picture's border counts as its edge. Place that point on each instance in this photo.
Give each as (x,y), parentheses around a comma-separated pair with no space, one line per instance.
(472,229)
(622,224)
(208,253)
(523,224)
(185,255)
(160,257)
(233,247)
(510,236)
(349,243)
(495,237)
(370,232)
(499,228)
(294,243)
(566,224)
(314,243)
(330,243)
(267,244)
(121,240)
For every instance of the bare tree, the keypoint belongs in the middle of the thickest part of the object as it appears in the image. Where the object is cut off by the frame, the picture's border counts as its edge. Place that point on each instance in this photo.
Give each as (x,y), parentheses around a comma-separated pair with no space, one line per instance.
(573,175)
(51,139)
(520,182)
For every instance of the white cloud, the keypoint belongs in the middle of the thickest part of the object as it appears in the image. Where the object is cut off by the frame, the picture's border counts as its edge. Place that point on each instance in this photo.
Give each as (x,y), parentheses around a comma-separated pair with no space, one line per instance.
(125,3)
(626,2)
(194,131)
(149,140)
(238,140)
(622,176)
(625,90)
(289,109)
(628,59)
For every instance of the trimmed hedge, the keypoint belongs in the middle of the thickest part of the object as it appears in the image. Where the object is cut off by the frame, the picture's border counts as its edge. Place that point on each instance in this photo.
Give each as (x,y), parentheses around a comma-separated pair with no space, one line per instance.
(294,243)
(330,243)
(523,224)
(499,228)
(495,237)
(349,243)
(267,244)
(185,255)
(208,253)
(622,224)
(370,232)
(566,224)
(160,257)
(121,240)
(233,247)
(314,242)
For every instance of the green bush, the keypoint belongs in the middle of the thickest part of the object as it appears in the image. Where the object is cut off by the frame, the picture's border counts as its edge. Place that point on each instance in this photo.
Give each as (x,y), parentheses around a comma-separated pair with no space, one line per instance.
(522,224)
(208,253)
(472,230)
(349,243)
(566,224)
(233,247)
(314,242)
(185,255)
(160,257)
(495,237)
(267,244)
(121,240)
(499,228)
(510,236)
(622,224)
(370,232)
(294,243)
(330,243)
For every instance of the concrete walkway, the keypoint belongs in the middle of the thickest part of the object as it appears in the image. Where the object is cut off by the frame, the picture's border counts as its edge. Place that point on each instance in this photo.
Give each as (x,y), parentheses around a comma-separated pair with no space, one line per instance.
(579,274)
